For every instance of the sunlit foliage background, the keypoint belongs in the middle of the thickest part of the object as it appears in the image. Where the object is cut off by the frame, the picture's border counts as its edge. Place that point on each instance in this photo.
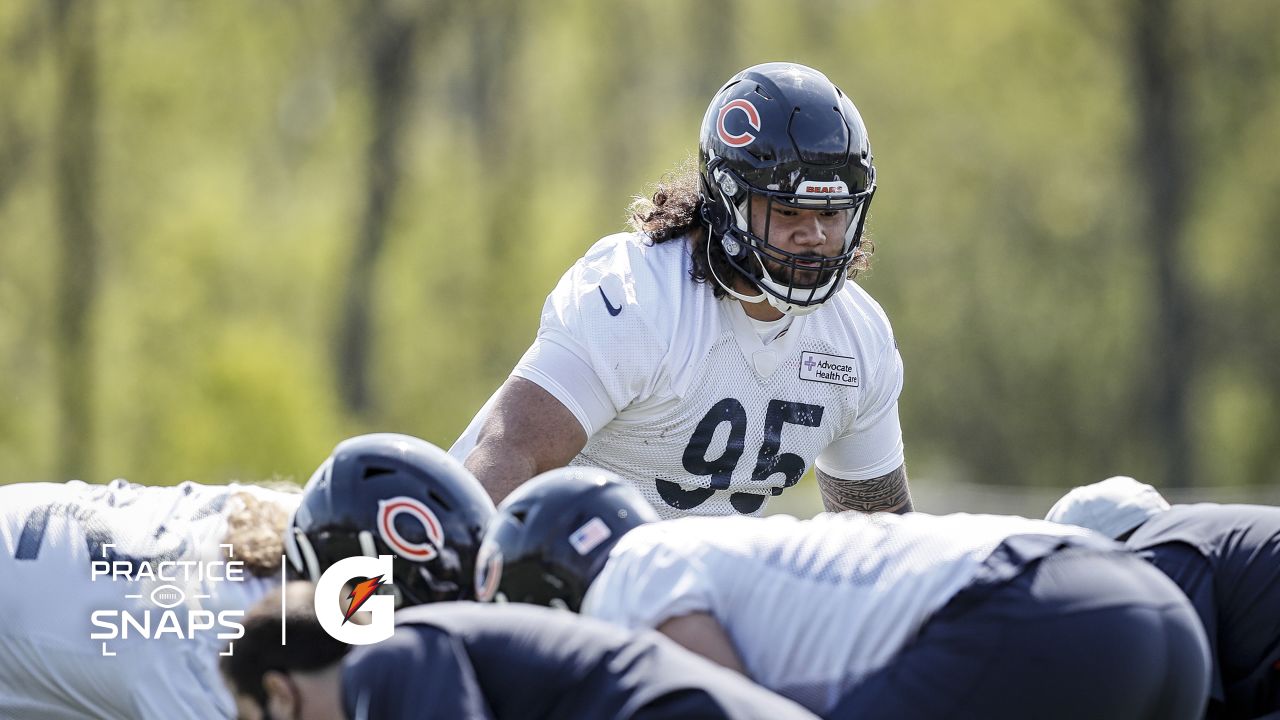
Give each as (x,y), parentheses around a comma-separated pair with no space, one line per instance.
(233,233)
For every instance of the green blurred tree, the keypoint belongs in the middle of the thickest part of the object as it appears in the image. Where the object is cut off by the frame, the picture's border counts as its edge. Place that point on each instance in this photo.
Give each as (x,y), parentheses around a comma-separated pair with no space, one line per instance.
(75,37)
(389,38)
(307,224)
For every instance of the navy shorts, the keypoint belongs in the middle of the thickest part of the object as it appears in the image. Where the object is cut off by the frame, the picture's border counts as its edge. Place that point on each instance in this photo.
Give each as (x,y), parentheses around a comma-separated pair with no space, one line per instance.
(1049,632)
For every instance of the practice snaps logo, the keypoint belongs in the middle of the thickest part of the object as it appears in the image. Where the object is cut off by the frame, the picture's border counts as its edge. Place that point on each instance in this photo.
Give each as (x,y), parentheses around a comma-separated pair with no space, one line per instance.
(176,610)
(363,597)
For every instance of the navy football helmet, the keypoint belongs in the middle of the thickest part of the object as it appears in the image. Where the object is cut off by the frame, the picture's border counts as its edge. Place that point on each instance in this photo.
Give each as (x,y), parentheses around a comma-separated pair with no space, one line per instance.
(782,137)
(551,537)
(389,494)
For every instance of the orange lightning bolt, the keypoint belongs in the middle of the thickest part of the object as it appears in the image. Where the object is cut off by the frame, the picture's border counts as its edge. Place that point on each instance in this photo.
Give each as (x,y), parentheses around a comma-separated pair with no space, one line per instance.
(360,594)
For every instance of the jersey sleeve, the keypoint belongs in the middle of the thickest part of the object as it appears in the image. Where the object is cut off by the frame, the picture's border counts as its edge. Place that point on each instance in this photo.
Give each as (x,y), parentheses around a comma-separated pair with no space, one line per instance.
(872,445)
(419,672)
(572,380)
(560,372)
(596,351)
(644,585)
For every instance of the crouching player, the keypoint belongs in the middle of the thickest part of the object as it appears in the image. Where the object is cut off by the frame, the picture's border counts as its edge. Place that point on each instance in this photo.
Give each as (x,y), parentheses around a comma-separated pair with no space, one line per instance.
(1226,558)
(866,616)
(117,598)
(468,661)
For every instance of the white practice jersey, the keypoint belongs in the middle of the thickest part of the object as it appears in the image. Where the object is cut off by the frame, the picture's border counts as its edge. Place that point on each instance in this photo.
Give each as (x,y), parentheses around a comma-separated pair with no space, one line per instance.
(50,665)
(812,606)
(678,394)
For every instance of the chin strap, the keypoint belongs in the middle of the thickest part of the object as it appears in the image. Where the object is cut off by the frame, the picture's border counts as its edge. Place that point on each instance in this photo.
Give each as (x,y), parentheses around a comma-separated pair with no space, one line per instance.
(781,306)
(725,286)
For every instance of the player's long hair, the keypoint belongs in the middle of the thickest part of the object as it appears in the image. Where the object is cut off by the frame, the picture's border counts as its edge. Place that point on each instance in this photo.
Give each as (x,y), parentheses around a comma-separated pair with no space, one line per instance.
(674,210)
(256,531)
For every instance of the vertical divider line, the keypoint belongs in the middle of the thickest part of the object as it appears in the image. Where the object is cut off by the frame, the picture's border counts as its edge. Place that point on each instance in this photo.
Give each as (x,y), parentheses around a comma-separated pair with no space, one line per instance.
(283,561)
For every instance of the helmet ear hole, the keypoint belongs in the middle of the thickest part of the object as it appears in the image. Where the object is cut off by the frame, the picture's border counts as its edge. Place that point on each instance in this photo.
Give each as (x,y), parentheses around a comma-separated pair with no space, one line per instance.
(374,471)
(439,499)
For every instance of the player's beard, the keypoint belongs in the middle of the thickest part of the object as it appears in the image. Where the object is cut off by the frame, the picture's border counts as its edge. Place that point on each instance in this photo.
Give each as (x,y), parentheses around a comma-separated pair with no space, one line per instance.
(803,279)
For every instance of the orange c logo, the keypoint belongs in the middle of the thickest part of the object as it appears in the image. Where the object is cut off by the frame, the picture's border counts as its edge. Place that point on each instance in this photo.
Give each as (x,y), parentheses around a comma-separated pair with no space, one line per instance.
(418,552)
(753,119)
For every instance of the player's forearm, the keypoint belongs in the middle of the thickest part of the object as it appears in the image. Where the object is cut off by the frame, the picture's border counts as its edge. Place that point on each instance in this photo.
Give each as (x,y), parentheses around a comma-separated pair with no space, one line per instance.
(528,431)
(499,471)
(704,635)
(887,493)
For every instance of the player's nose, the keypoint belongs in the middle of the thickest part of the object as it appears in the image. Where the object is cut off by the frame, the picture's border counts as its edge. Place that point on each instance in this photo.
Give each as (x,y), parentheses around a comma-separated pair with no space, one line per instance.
(809,230)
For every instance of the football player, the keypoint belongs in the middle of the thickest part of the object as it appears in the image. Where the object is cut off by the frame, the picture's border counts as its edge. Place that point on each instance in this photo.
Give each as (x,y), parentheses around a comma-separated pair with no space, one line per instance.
(71,552)
(467,661)
(717,352)
(1226,558)
(866,615)
(158,574)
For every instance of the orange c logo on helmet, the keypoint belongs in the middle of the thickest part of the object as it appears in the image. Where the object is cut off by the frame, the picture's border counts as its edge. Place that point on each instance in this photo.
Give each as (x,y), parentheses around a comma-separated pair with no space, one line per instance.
(753,119)
(418,552)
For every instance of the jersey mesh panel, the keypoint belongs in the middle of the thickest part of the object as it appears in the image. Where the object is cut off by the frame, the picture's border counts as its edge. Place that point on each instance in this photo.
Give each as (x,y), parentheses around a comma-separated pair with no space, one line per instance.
(655,450)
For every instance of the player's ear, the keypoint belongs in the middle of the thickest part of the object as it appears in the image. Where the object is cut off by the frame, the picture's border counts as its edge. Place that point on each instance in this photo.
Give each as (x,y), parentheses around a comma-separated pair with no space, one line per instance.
(282,695)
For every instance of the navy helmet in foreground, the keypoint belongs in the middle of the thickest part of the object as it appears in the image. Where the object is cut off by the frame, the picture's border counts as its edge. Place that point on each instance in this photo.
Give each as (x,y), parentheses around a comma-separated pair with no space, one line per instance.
(390,494)
(1225,558)
(551,537)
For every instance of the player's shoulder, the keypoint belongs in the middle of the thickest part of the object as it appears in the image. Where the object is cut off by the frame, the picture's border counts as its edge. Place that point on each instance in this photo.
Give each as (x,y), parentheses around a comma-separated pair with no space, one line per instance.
(626,286)
(652,537)
(854,320)
(627,251)
(855,306)
(630,269)
(690,535)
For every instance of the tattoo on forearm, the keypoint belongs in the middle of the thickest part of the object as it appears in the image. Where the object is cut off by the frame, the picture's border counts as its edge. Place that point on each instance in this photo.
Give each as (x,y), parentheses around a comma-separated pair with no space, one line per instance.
(888,492)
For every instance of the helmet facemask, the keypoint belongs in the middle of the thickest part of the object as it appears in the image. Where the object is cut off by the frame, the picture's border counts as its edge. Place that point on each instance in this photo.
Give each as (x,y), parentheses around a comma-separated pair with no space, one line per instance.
(793,283)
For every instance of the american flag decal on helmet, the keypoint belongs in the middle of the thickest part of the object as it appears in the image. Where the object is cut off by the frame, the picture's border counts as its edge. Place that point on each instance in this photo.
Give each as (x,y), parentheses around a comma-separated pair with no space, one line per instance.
(590,535)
